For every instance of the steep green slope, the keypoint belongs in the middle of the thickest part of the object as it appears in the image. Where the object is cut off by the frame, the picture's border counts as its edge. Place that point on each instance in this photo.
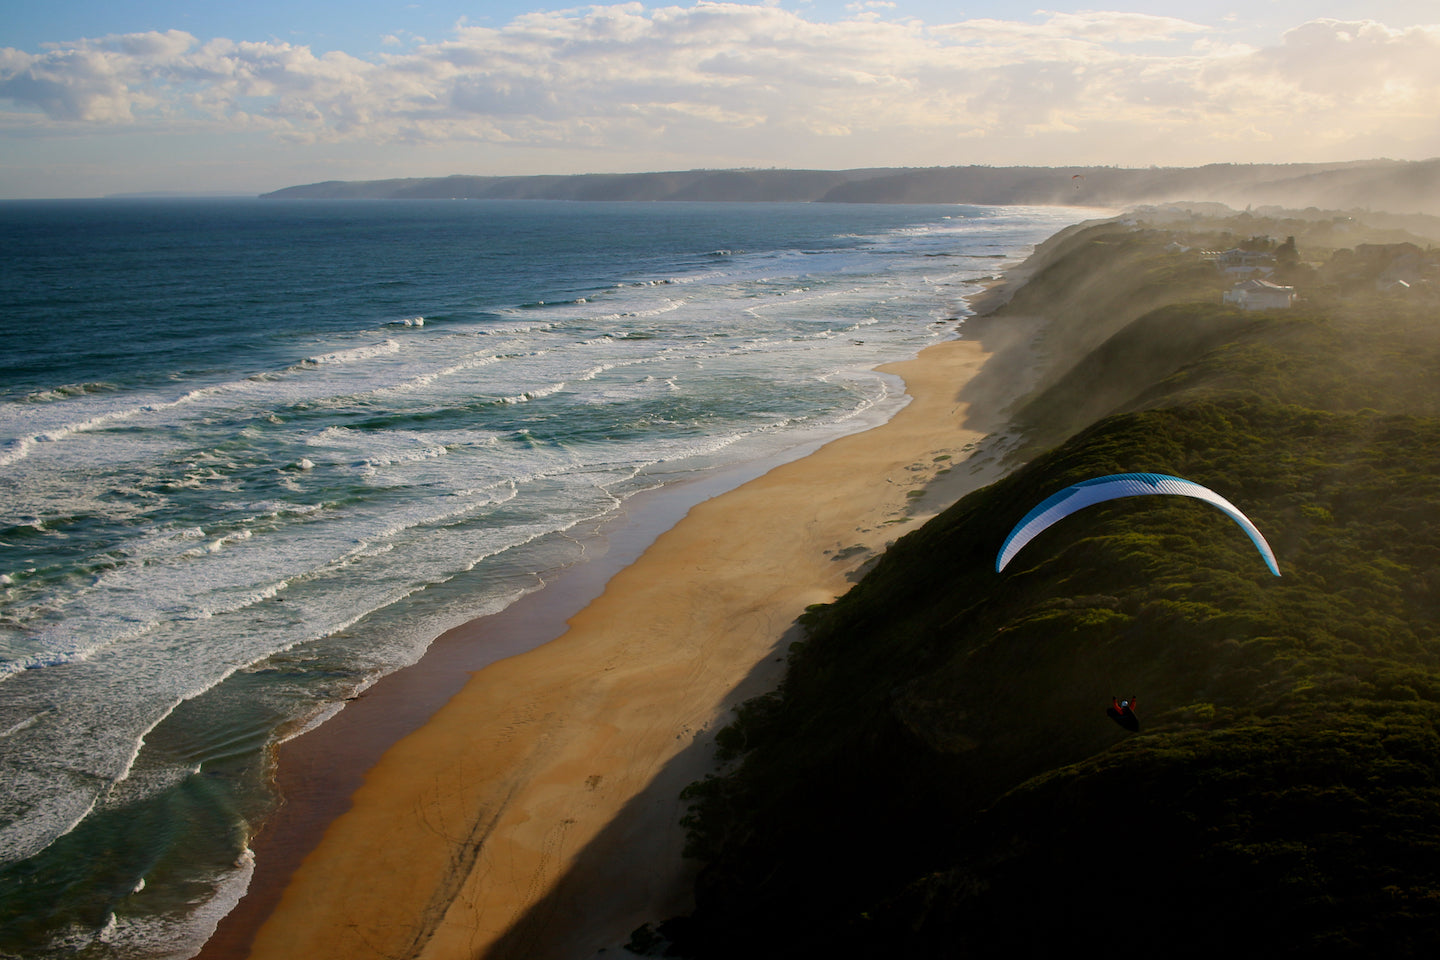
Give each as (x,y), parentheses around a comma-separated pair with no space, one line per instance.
(937,777)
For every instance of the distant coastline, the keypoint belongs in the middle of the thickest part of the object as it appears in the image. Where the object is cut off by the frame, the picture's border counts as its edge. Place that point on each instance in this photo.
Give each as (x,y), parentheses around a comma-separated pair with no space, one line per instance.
(181,195)
(1364,184)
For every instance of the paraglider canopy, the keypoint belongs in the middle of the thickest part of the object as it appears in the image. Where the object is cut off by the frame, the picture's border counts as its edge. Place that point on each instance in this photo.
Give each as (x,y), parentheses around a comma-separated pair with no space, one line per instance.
(1080,495)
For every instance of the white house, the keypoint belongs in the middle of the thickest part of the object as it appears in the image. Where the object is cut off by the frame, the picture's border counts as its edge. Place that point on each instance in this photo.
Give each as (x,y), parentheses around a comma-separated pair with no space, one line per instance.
(1260,295)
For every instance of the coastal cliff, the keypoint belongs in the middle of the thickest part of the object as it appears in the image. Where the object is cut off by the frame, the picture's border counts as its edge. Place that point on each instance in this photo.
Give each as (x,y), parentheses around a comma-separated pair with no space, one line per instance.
(936,775)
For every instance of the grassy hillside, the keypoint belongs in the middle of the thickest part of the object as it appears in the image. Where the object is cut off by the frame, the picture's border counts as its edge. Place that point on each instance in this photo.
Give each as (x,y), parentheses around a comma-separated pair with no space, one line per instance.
(937,776)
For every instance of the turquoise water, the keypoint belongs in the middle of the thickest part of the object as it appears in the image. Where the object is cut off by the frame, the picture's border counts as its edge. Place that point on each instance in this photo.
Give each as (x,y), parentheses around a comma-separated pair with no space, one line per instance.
(254,455)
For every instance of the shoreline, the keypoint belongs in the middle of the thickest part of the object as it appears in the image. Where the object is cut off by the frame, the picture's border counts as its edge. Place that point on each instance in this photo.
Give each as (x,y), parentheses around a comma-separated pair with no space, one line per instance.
(318,769)
(499,812)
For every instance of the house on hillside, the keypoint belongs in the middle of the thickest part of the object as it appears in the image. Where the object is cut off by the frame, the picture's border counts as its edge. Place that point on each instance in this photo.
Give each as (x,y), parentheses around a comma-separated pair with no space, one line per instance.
(1245,262)
(1260,295)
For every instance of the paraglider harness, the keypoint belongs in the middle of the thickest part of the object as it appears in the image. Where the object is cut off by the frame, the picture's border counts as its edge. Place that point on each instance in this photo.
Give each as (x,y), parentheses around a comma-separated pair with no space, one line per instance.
(1123,713)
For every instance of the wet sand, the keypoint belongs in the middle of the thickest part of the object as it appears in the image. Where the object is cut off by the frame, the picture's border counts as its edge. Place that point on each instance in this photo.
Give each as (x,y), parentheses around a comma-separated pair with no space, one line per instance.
(536,813)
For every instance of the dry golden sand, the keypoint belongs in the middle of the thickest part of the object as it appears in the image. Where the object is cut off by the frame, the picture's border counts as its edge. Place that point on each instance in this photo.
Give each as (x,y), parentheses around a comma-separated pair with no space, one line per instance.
(536,815)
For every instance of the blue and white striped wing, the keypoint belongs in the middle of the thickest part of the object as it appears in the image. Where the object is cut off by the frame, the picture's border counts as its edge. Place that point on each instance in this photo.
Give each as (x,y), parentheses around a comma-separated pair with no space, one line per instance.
(1088,492)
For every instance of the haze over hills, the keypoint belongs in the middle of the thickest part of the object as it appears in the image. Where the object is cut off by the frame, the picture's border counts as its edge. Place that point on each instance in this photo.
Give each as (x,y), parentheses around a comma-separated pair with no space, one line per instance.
(1411,186)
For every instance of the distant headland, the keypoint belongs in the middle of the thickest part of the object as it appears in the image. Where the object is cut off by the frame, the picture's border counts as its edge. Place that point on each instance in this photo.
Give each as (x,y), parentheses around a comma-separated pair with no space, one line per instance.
(1396,185)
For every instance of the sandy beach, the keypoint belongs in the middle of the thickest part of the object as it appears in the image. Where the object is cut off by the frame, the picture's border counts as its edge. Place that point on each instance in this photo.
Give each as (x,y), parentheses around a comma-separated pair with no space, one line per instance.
(536,813)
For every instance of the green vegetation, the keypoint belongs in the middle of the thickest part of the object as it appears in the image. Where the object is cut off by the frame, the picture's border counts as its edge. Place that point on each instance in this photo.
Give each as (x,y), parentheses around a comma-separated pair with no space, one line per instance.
(936,777)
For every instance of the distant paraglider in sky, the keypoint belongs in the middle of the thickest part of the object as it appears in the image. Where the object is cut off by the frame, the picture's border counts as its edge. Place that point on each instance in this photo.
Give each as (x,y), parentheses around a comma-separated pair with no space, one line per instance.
(1080,495)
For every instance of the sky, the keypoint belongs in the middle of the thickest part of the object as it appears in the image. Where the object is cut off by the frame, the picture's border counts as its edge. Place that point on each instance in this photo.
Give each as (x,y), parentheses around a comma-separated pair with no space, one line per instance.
(100,97)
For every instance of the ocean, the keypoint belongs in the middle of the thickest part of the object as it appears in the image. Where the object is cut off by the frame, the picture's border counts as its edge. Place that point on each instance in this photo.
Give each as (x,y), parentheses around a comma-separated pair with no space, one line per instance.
(256,454)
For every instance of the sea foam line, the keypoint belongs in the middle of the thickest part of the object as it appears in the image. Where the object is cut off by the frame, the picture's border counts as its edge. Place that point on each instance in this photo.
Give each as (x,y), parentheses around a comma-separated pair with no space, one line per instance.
(18,448)
(353,354)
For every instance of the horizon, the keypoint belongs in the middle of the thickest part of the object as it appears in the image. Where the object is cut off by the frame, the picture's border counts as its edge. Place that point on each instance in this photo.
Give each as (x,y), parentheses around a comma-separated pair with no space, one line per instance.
(99,100)
(201,194)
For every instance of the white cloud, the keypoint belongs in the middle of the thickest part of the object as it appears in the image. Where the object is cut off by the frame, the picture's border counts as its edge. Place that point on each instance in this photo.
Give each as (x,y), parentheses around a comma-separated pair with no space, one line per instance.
(1357,62)
(678,80)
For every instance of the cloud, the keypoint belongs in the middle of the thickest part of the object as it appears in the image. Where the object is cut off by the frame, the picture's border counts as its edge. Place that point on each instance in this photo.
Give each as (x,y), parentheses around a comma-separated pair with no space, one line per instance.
(101,81)
(1355,62)
(678,78)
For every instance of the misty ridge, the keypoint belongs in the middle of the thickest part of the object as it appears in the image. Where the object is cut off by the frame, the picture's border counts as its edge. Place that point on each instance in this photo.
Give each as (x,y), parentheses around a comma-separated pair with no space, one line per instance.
(1393,185)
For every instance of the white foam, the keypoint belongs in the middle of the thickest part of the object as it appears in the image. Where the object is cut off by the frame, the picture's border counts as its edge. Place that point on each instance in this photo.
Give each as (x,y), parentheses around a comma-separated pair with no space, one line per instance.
(414,455)
(218,544)
(67,391)
(511,327)
(32,426)
(659,310)
(537,394)
(15,449)
(355,354)
(159,937)
(425,379)
(25,724)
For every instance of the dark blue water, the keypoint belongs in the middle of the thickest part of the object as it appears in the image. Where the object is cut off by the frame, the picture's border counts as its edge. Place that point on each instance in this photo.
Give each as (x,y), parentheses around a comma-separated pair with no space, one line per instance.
(151,288)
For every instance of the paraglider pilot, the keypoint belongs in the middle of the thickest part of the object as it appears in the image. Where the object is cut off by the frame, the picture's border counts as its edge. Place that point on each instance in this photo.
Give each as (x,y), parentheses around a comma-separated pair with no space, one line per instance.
(1123,713)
